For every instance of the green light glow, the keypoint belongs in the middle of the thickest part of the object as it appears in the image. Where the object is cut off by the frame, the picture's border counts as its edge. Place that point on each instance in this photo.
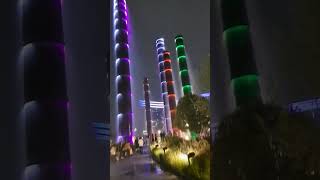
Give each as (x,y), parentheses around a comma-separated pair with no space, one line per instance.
(237,34)
(183,72)
(186,89)
(180,37)
(182,57)
(180,46)
(246,88)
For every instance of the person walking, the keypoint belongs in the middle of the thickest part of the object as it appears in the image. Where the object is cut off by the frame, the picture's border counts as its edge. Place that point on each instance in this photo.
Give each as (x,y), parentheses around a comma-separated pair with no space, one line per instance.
(136,144)
(140,144)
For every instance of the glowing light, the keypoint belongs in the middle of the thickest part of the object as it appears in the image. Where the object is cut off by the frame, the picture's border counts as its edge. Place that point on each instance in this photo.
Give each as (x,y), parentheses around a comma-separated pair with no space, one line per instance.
(166,52)
(183,157)
(246,87)
(184,75)
(115,12)
(178,37)
(122,59)
(118,44)
(183,71)
(167,60)
(119,139)
(182,57)
(160,48)
(123,75)
(180,46)
(168,70)
(160,39)
(205,94)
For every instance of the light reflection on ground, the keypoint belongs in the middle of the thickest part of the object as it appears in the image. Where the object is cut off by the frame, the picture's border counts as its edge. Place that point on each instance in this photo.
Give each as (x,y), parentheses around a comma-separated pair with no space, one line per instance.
(137,167)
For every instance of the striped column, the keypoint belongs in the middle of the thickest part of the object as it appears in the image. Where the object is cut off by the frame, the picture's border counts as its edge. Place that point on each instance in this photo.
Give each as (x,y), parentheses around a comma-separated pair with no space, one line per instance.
(237,39)
(123,79)
(160,49)
(170,84)
(183,66)
(147,105)
(45,96)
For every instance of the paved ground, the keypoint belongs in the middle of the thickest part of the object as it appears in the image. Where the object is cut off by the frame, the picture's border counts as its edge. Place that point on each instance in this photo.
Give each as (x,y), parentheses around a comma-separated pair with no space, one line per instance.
(138,167)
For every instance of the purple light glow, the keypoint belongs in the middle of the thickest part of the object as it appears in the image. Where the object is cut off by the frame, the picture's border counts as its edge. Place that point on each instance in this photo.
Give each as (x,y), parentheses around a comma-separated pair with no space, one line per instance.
(116,11)
(118,44)
(122,59)
(123,75)
(117,31)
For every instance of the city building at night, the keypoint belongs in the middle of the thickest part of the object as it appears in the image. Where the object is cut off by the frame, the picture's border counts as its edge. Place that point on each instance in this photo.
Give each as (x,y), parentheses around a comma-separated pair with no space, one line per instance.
(158,119)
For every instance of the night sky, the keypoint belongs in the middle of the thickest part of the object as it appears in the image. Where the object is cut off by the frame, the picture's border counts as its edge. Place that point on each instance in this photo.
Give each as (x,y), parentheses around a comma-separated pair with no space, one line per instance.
(151,19)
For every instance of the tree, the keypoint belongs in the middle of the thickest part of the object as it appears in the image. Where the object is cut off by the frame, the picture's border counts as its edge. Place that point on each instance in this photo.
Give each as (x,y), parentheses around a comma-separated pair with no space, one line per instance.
(266,142)
(192,113)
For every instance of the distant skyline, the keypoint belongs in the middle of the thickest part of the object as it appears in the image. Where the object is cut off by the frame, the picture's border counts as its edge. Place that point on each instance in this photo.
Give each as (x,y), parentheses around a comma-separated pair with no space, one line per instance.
(146,24)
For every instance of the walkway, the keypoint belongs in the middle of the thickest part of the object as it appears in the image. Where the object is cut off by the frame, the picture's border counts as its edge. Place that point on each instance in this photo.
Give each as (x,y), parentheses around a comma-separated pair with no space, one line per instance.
(138,167)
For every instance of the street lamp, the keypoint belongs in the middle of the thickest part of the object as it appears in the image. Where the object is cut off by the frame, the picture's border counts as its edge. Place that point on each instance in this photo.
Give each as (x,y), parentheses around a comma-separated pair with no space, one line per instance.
(190,155)
(164,150)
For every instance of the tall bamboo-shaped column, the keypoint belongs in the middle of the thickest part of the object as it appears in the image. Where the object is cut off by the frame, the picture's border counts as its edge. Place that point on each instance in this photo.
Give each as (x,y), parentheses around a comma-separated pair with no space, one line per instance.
(237,39)
(183,66)
(45,96)
(123,79)
(160,49)
(170,84)
(147,105)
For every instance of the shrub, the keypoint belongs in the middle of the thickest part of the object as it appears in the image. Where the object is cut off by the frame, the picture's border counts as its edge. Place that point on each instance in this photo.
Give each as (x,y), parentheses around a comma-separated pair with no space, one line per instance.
(175,158)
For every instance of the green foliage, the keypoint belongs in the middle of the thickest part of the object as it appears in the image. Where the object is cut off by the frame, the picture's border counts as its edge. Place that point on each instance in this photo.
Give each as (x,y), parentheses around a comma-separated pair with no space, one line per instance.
(194,111)
(265,142)
(171,161)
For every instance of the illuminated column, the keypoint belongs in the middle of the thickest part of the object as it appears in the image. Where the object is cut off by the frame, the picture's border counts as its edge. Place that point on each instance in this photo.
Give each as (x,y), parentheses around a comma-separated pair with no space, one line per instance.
(45,97)
(244,76)
(183,67)
(160,49)
(123,79)
(147,105)
(170,84)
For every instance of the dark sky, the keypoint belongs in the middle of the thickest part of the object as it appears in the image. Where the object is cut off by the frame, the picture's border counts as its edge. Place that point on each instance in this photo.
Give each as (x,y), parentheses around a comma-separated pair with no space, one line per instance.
(151,19)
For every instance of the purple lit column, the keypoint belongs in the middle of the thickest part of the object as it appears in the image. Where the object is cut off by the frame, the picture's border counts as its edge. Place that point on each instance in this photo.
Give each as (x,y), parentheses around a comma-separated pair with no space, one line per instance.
(123,79)
(45,96)
(147,105)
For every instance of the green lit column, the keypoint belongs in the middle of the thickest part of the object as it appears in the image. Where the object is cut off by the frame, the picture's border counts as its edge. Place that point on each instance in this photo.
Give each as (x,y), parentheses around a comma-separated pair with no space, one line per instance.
(244,76)
(183,66)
